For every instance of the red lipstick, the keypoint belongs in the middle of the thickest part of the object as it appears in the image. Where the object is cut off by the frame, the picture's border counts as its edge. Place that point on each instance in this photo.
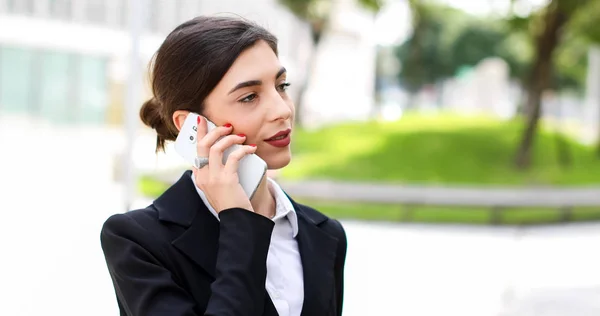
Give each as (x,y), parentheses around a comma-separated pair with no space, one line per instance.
(281,139)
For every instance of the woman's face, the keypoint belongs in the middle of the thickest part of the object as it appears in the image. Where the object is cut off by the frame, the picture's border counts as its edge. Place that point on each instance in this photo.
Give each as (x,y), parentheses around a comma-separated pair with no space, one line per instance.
(252,97)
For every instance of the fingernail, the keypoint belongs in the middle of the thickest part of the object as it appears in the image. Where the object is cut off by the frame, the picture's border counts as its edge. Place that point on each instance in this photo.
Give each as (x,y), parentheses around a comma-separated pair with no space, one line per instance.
(241,135)
(253,145)
(199,119)
(227,125)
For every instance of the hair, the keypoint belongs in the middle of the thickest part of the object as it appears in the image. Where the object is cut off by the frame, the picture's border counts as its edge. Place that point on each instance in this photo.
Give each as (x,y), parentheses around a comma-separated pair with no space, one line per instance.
(190,63)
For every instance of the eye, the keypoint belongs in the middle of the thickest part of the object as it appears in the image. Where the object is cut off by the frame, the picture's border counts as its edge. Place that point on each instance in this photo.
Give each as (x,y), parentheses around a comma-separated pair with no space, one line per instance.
(249,98)
(283,87)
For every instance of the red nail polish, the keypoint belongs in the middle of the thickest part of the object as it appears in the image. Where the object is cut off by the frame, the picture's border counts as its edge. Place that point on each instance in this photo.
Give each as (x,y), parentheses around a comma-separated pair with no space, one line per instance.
(253,145)
(227,125)
(241,135)
(199,119)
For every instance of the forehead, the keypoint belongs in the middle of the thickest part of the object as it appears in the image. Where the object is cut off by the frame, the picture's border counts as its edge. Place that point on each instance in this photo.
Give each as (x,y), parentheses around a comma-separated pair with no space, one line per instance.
(258,62)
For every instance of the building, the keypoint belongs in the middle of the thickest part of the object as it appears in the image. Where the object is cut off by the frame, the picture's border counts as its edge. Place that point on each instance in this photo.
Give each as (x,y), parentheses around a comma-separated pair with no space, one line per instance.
(66,61)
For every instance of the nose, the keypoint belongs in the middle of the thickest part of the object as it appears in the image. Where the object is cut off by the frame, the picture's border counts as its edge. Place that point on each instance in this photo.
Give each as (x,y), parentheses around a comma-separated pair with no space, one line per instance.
(281,107)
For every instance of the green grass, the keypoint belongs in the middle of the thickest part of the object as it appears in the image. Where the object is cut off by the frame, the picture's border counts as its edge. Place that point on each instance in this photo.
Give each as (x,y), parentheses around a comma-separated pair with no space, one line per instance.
(436,150)
(149,187)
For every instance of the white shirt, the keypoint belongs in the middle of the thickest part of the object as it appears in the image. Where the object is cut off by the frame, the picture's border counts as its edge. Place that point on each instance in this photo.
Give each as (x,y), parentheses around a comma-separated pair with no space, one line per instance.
(285,279)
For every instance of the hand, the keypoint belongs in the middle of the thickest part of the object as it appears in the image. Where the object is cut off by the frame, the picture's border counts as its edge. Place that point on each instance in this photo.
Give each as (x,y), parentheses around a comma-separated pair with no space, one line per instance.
(218,181)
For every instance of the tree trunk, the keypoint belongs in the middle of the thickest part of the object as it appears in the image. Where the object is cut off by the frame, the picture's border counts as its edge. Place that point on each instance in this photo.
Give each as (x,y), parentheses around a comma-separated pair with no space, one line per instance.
(541,72)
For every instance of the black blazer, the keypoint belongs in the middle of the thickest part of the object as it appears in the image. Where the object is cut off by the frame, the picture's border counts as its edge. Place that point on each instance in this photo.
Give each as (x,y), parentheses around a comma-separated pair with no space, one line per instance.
(175,258)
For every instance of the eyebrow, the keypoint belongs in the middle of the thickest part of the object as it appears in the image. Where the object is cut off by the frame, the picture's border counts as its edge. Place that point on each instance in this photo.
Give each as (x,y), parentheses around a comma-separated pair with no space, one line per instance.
(251,83)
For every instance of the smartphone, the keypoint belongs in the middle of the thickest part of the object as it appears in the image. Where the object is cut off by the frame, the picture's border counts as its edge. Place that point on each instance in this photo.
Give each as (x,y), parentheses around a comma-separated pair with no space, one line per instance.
(251,168)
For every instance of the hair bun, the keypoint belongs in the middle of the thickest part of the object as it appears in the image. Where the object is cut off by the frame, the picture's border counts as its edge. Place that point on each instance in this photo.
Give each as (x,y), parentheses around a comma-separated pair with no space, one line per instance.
(151,115)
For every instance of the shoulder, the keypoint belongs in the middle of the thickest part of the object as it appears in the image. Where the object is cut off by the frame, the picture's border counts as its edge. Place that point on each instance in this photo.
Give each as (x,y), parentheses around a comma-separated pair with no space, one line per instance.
(140,226)
(131,221)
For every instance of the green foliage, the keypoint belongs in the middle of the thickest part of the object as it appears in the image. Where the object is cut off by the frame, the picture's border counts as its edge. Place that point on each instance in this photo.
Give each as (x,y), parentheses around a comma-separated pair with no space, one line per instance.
(585,21)
(440,150)
(446,40)
(582,31)
(317,11)
(372,5)
(426,56)
(570,62)
(309,10)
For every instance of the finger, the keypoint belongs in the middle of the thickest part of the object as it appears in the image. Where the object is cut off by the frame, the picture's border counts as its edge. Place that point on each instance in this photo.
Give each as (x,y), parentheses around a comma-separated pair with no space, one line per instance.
(209,138)
(233,161)
(215,157)
(201,130)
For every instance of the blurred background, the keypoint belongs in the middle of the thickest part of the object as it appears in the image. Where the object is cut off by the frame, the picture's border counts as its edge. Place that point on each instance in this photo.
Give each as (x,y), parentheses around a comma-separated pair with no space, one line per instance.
(457,140)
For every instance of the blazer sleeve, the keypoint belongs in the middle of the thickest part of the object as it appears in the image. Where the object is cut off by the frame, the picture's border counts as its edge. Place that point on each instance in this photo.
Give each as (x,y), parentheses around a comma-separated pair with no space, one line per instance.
(340,262)
(145,287)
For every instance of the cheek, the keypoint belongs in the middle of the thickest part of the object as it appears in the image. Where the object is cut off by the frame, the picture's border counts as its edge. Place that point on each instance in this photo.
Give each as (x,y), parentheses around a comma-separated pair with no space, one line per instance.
(249,126)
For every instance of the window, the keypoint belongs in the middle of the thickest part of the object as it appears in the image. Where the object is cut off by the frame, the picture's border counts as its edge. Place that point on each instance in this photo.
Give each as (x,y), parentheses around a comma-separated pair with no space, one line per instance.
(93,89)
(15,79)
(56,101)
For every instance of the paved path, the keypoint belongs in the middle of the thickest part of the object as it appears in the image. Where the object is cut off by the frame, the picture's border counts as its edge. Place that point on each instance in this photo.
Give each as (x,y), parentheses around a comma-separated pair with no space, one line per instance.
(442,195)
(51,218)
(453,270)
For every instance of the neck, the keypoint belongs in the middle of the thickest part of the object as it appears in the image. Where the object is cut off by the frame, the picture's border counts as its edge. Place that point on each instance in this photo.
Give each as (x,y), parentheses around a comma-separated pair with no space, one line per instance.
(263,201)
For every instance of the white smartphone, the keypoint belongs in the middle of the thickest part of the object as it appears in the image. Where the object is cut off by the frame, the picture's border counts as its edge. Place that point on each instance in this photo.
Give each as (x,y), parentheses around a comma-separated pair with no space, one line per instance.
(251,169)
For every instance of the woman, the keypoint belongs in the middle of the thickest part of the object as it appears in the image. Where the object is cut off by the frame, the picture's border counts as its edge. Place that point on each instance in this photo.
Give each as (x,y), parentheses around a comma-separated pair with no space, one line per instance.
(202,247)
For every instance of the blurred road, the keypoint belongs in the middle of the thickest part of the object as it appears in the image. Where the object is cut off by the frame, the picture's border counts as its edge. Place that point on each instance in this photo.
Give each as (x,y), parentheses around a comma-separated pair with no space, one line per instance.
(56,191)
(440,195)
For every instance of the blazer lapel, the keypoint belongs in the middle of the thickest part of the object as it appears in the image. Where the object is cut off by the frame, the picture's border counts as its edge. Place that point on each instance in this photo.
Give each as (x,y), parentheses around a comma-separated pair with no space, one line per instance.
(182,205)
(200,241)
(317,252)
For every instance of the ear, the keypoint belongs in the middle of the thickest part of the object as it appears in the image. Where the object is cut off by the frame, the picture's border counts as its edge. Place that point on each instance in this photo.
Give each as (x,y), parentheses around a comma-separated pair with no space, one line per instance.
(179,117)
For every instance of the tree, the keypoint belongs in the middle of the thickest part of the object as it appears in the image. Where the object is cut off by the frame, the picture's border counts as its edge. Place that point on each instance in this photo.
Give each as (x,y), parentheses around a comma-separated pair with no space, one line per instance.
(425,55)
(545,50)
(317,14)
(547,34)
(445,40)
(585,23)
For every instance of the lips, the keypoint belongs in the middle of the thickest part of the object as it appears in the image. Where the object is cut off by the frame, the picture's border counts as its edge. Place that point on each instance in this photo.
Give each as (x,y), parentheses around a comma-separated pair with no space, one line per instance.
(281,135)
(281,139)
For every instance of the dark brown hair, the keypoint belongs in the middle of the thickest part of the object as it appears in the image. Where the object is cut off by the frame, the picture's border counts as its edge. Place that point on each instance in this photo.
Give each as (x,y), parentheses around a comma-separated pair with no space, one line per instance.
(190,63)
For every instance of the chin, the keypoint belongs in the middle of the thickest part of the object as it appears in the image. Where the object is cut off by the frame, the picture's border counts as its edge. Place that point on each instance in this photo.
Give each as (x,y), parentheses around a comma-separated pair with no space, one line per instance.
(278,161)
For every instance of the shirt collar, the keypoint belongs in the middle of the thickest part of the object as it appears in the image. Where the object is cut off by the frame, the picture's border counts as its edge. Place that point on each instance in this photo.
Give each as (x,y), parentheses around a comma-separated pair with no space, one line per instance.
(283,205)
